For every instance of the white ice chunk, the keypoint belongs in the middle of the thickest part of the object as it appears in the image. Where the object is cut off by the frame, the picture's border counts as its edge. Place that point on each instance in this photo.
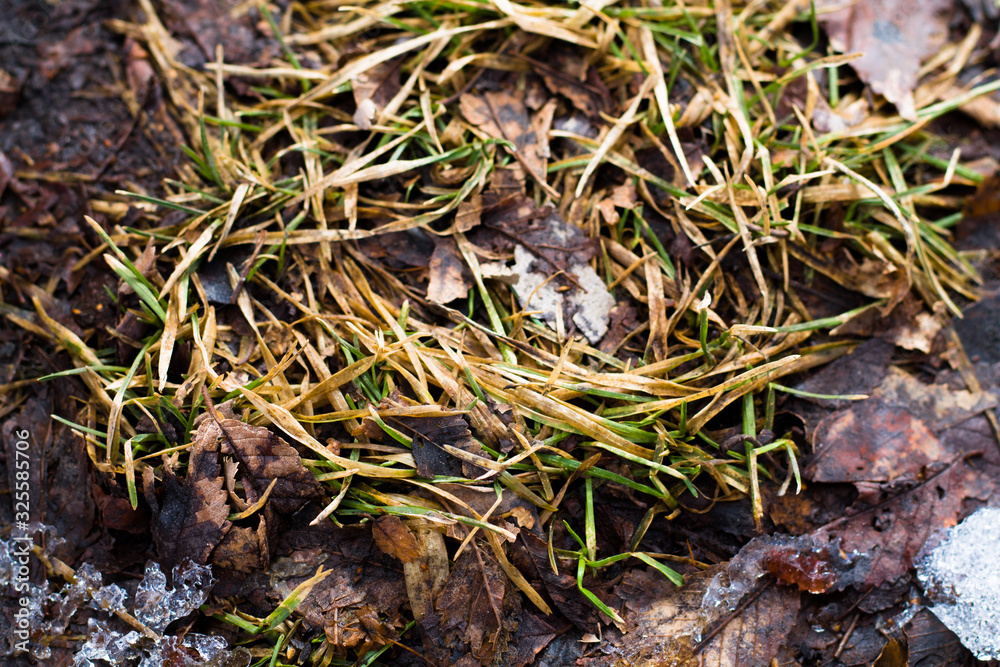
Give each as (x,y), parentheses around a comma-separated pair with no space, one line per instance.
(157,607)
(589,300)
(960,575)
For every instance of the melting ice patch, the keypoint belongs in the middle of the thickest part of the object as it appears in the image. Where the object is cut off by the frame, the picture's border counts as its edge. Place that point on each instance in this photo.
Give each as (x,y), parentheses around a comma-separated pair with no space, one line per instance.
(960,575)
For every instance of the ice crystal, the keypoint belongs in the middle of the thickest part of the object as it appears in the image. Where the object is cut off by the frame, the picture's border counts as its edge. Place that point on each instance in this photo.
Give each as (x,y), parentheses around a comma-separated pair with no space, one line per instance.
(961,577)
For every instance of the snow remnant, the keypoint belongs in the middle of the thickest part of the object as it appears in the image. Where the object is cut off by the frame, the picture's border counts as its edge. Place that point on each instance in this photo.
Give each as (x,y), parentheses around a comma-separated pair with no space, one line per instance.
(961,578)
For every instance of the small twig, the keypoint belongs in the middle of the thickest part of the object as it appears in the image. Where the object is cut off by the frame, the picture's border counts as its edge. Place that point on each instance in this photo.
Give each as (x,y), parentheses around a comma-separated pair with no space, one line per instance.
(847,635)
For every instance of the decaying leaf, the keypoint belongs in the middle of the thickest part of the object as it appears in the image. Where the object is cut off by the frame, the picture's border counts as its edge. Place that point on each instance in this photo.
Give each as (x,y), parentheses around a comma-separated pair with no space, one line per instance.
(358,604)
(503,115)
(476,610)
(427,574)
(666,622)
(887,534)
(373,89)
(244,549)
(571,76)
(430,435)
(190,518)
(263,458)
(894,36)
(394,538)
(450,277)
(892,434)
(551,274)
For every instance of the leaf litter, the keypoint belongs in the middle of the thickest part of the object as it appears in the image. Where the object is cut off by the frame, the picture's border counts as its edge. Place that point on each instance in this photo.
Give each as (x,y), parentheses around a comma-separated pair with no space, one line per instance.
(519,286)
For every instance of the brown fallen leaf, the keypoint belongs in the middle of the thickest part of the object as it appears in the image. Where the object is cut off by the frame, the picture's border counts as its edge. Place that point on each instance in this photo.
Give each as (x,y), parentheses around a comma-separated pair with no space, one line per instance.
(475,613)
(430,435)
(426,575)
(190,518)
(531,555)
(666,623)
(394,538)
(243,549)
(894,433)
(886,536)
(570,75)
(894,36)
(450,277)
(551,272)
(362,582)
(503,115)
(264,457)
(373,89)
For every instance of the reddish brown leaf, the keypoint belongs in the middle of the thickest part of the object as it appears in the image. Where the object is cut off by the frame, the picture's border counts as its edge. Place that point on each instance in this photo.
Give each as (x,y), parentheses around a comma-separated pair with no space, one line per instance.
(893,433)
(871,442)
(887,536)
(394,538)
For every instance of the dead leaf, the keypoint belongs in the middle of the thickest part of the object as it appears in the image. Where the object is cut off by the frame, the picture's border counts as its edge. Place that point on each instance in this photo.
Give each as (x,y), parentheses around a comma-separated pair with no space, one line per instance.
(531,553)
(468,213)
(264,457)
(551,266)
(894,433)
(190,519)
(394,538)
(894,36)
(570,75)
(426,575)
(503,115)
(373,89)
(534,632)
(887,536)
(244,549)
(430,435)
(476,611)
(665,622)
(450,277)
(361,577)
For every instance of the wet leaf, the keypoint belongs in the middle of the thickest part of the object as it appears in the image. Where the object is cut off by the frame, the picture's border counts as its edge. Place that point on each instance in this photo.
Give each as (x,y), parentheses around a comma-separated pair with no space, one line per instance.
(892,434)
(394,538)
(190,518)
(665,622)
(264,457)
(888,532)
